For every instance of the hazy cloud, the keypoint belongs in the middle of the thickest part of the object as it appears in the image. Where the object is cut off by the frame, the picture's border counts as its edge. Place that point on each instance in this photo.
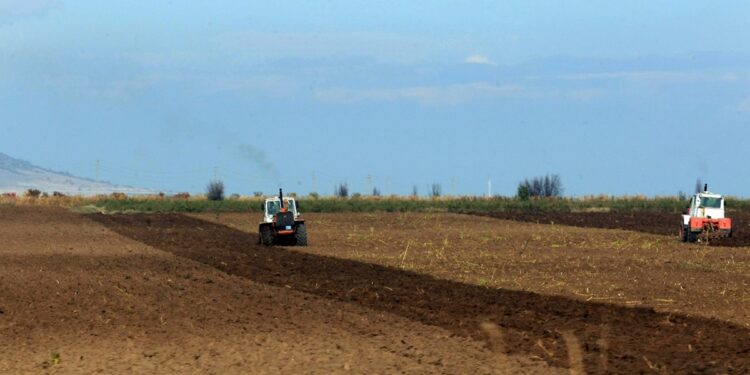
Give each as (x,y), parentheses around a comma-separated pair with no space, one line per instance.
(585,94)
(116,89)
(455,94)
(744,105)
(124,88)
(656,76)
(273,85)
(429,95)
(479,59)
(377,45)
(14,9)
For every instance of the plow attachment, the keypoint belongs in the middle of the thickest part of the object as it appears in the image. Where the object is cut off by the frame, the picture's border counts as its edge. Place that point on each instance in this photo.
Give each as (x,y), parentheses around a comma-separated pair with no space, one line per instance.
(706,229)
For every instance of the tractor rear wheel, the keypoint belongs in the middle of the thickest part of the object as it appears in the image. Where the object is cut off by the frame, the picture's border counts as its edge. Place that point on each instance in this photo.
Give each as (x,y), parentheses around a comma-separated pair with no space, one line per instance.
(684,233)
(266,235)
(300,234)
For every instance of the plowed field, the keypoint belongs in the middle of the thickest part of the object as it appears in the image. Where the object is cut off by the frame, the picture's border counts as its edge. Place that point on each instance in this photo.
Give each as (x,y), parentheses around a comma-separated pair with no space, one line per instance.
(374,293)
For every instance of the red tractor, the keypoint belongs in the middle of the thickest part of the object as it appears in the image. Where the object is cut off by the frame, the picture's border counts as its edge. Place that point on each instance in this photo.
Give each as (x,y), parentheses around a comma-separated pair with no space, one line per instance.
(704,219)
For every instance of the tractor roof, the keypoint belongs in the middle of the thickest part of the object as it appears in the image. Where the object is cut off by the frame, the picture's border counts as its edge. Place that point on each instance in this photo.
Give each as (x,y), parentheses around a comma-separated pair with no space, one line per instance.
(708,194)
(271,199)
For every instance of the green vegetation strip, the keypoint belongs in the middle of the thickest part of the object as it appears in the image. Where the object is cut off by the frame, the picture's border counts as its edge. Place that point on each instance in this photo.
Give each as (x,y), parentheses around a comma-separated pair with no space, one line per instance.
(403,204)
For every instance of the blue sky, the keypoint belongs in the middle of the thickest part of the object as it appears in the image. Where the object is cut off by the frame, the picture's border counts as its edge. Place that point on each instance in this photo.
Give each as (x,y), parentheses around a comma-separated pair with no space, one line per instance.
(636,97)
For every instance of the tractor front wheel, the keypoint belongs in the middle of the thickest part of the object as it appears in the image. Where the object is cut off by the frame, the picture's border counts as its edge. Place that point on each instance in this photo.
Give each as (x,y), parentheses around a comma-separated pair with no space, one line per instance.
(300,234)
(266,235)
(691,236)
(684,233)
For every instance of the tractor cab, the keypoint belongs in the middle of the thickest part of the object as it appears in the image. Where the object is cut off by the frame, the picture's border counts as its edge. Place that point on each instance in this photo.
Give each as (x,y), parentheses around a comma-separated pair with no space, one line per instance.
(273,206)
(708,205)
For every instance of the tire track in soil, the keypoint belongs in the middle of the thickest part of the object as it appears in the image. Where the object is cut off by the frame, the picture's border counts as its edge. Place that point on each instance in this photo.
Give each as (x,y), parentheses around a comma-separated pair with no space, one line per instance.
(624,339)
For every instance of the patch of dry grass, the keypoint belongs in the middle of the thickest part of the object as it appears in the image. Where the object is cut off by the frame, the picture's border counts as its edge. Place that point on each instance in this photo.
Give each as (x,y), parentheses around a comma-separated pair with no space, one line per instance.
(613,266)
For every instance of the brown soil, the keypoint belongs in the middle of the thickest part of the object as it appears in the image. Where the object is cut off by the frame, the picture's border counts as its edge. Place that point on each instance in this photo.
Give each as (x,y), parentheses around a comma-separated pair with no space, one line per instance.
(434,293)
(648,222)
(617,338)
(107,303)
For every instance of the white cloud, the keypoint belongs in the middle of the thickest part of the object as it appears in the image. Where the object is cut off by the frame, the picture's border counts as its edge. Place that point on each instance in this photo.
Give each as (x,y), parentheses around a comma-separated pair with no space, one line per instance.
(479,59)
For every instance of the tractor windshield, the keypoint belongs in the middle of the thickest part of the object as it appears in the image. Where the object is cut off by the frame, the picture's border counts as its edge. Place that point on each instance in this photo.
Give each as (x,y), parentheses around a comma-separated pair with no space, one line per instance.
(272,207)
(289,204)
(711,202)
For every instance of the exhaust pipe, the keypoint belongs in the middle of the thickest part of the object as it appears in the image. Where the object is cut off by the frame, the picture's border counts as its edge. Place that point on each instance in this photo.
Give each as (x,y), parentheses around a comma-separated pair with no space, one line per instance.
(705,188)
(281,198)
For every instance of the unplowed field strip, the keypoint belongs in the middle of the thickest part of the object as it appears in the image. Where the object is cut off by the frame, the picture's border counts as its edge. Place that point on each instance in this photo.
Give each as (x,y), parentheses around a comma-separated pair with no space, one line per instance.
(647,222)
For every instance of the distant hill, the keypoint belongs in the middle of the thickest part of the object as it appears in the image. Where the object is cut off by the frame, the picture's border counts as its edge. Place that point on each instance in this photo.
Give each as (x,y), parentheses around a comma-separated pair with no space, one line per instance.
(18,175)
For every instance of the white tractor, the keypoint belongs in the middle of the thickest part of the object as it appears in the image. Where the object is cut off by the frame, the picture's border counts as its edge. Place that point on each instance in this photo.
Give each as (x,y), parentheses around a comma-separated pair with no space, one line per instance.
(282,223)
(704,219)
